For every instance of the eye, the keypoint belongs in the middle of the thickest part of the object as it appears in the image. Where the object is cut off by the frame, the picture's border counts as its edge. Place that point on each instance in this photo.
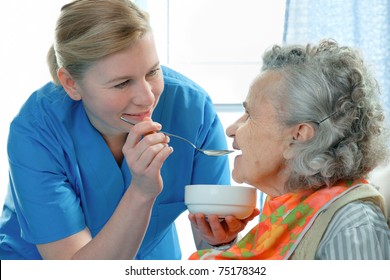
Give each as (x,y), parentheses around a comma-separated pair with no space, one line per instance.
(246,114)
(154,72)
(123,84)
(246,111)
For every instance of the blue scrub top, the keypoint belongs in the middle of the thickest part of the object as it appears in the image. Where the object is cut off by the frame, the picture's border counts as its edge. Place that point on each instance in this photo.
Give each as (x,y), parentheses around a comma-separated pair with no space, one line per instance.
(64,177)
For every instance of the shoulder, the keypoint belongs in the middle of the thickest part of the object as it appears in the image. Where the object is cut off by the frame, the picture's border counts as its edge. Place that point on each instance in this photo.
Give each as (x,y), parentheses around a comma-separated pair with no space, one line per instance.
(183,98)
(355,214)
(356,231)
(46,115)
(49,93)
(48,102)
(179,82)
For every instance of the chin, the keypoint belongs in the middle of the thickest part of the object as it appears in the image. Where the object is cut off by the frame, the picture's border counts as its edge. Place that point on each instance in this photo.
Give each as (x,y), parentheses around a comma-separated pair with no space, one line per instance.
(236,176)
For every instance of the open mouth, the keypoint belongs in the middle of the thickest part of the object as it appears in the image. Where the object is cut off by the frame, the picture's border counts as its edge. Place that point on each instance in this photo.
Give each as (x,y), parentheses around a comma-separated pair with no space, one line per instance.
(237,149)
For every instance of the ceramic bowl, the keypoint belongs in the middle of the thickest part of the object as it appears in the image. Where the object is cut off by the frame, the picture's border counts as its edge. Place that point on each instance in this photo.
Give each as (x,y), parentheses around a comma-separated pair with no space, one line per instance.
(220,200)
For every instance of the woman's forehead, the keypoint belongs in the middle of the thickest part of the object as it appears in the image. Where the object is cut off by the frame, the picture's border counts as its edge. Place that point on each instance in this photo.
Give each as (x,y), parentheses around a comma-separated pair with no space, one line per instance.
(264,94)
(257,89)
(265,85)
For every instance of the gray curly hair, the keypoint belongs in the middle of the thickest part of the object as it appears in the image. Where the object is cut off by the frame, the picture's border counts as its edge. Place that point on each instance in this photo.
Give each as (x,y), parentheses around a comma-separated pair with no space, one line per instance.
(329,87)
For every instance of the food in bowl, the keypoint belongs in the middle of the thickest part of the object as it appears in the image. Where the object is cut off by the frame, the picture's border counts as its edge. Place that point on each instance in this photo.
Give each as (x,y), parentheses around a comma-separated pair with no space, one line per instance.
(220,200)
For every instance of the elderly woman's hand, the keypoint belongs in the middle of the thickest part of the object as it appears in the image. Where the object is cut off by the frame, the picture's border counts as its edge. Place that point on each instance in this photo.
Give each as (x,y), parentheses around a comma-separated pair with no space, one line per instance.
(215,231)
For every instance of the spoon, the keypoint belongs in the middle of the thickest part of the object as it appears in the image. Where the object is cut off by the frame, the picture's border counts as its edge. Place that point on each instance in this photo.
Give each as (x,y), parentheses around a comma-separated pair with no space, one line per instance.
(204,151)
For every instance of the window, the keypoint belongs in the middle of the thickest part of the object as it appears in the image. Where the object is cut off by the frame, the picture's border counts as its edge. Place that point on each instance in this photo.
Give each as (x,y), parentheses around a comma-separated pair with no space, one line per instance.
(216,43)
(219,45)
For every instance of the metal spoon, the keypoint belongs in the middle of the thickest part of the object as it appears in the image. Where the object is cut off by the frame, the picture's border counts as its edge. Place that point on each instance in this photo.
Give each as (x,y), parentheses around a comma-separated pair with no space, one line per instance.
(204,151)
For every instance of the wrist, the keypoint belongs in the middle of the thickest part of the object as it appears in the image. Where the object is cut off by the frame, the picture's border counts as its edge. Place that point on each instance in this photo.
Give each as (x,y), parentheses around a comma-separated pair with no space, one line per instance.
(138,197)
(224,246)
(142,192)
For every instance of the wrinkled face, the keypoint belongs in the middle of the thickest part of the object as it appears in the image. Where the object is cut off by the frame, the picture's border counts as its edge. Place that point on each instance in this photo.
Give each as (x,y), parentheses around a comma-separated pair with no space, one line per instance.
(128,82)
(261,137)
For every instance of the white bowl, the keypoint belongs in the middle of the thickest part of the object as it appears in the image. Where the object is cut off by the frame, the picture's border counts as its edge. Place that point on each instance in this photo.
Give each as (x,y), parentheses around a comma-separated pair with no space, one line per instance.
(220,200)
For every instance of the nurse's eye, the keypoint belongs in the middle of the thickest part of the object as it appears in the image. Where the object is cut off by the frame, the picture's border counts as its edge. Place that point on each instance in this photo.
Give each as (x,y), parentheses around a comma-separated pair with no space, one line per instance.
(123,84)
(154,72)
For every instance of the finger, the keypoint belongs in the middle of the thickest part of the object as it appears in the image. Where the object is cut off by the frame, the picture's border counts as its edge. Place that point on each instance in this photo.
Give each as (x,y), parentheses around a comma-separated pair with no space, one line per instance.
(192,219)
(217,228)
(255,213)
(149,144)
(159,159)
(145,158)
(234,225)
(139,130)
(203,225)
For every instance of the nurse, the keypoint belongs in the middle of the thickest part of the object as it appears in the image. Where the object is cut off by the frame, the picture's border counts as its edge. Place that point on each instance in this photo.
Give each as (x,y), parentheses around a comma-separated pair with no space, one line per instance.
(83,183)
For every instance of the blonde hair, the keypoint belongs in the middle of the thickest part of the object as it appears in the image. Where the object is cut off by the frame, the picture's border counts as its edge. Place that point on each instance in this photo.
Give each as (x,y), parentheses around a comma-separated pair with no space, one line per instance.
(88,30)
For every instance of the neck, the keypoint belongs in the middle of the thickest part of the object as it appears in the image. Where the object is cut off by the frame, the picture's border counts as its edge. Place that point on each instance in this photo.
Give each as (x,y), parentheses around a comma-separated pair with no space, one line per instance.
(275,185)
(115,143)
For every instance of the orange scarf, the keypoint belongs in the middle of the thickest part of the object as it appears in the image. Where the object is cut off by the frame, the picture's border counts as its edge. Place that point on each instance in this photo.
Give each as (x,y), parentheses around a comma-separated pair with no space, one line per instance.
(283,222)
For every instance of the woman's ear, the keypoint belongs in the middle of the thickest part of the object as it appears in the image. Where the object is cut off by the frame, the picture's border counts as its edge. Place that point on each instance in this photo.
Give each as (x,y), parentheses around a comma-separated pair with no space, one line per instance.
(304,132)
(300,133)
(68,83)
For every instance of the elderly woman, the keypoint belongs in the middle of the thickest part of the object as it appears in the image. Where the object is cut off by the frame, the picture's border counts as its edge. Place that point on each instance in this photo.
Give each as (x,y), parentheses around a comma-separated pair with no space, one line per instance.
(311,133)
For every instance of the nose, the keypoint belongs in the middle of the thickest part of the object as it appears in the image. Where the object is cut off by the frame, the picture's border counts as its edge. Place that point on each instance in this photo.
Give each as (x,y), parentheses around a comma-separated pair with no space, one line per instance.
(144,94)
(232,129)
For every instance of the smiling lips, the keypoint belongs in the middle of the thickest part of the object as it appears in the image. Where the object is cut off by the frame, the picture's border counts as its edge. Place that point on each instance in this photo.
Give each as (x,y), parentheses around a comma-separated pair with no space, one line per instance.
(139,116)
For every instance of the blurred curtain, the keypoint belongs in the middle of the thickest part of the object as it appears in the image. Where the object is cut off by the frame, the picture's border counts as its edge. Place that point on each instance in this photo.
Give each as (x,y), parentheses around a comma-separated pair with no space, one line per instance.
(364,24)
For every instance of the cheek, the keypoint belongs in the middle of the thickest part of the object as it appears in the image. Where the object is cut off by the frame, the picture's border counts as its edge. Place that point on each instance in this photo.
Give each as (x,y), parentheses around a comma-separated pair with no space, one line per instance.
(158,87)
(254,150)
(248,149)
(246,139)
(250,159)
(245,167)
(114,104)
(99,105)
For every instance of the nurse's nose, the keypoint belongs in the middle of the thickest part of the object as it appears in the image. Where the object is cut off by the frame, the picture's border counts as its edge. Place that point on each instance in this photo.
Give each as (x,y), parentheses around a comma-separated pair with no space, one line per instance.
(144,94)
